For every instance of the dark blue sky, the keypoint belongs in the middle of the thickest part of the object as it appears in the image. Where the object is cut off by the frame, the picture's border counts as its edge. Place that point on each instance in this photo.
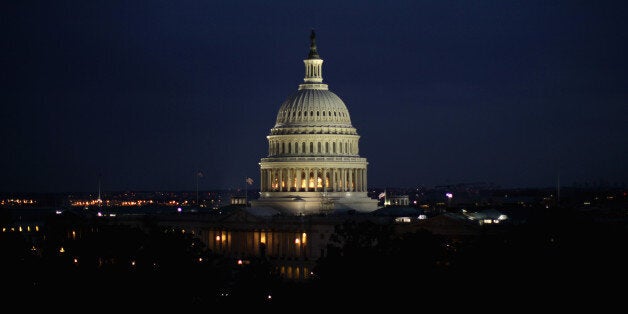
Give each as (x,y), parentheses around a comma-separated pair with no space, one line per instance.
(147,92)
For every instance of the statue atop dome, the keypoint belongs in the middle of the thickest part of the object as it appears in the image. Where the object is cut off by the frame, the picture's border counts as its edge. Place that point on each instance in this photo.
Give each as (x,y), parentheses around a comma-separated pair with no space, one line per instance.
(313,53)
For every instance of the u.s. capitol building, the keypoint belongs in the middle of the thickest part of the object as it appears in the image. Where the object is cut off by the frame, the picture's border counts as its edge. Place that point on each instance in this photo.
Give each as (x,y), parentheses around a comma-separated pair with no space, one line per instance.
(313,164)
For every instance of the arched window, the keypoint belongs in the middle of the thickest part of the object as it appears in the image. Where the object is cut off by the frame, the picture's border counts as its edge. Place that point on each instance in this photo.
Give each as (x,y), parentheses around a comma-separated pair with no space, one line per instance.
(311,147)
(319,147)
(327,147)
(334,145)
(303,148)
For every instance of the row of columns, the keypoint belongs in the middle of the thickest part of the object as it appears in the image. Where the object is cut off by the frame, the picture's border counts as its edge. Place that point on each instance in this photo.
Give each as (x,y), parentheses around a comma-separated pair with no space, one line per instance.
(279,148)
(313,180)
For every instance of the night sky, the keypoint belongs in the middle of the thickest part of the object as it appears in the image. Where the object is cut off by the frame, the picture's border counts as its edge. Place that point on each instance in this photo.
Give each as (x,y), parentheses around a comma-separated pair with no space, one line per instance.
(147,93)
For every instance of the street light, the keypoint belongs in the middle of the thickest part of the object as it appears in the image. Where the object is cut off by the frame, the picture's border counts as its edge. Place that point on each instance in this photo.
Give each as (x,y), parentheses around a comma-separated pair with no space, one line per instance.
(449,196)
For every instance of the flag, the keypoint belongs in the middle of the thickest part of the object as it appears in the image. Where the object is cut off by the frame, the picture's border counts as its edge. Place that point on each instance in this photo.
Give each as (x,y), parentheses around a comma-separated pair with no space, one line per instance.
(249,181)
(200,174)
(382,195)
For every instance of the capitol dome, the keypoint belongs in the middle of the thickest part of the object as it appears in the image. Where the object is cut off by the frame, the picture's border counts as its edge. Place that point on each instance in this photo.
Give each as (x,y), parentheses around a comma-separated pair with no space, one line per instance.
(313,164)
(314,107)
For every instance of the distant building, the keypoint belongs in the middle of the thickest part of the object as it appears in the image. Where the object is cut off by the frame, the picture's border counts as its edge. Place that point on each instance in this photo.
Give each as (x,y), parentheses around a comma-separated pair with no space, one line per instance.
(397,200)
(238,200)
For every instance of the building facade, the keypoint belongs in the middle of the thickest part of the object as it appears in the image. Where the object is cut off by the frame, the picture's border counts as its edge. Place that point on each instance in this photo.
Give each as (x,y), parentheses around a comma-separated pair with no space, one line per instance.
(313,163)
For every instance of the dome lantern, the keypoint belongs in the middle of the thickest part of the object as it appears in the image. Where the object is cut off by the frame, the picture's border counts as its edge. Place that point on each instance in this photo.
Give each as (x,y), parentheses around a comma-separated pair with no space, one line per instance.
(313,68)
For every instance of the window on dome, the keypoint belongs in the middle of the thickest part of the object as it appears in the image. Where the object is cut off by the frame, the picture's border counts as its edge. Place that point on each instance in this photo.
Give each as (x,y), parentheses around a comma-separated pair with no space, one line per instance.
(305,113)
(299,114)
(334,113)
(323,113)
(318,113)
(311,113)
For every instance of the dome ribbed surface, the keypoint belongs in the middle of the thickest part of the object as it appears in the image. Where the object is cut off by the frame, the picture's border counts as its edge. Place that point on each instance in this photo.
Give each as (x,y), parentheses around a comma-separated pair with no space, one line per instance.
(313,107)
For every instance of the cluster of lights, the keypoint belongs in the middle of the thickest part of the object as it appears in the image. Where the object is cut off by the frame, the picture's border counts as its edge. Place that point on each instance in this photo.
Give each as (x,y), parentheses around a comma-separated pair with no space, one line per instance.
(16,201)
(136,203)
(128,203)
(86,203)
(21,229)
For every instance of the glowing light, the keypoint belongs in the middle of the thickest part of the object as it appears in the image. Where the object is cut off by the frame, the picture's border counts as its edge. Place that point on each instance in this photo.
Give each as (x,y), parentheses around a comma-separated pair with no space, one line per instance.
(269,297)
(239,262)
(262,238)
(75,260)
(200,259)
(37,228)
(218,238)
(297,241)
(28,228)
(99,214)
(20,228)
(304,237)
(58,212)
(61,250)
(179,209)
(4,229)
(421,217)
(449,195)
(132,263)
(502,217)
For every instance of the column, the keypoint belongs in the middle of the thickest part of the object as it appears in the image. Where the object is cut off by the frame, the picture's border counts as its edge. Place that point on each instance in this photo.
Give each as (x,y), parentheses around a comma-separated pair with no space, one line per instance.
(344,179)
(261,180)
(298,183)
(280,180)
(307,180)
(351,180)
(325,182)
(315,179)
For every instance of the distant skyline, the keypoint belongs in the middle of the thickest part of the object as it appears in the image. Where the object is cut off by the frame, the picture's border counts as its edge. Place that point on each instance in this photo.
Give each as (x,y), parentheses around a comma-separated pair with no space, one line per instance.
(149,93)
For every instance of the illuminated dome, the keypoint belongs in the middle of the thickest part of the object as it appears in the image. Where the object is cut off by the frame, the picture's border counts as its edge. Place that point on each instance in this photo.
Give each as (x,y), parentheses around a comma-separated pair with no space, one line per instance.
(313,107)
(313,164)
